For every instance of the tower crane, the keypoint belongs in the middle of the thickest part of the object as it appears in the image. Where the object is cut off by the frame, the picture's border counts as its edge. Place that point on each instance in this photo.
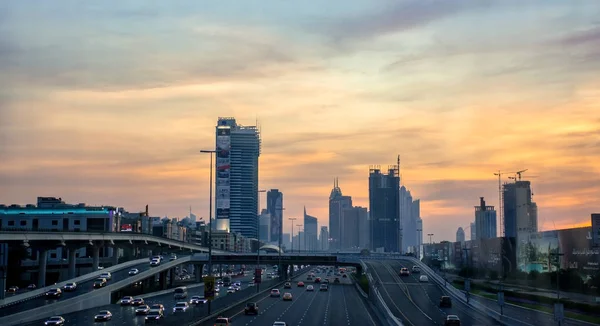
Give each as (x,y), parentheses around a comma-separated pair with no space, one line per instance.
(500,208)
(519,173)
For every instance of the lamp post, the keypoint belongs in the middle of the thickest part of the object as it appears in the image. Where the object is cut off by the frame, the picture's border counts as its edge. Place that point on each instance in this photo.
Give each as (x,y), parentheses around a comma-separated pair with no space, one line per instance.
(292,237)
(258,243)
(299,226)
(430,235)
(210,219)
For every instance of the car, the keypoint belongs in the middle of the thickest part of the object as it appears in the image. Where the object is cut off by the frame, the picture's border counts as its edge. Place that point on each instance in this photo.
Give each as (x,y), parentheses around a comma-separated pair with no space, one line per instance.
(445,301)
(231,289)
(287,296)
(326,281)
(142,310)
(181,307)
(310,288)
(173,257)
(416,269)
(452,320)
(344,276)
(13,289)
(423,278)
(31,286)
(106,275)
(404,271)
(251,308)
(137,302)
(323,287)
(275,293)
(153,316)
(280,323)
(71,286)
(54,293)
(99,284)
(222,321)
(157,306)
(337,280)
(287,285)
(133,271)
(55,320)
(237,284)
(126,300)
(318,280)
(198,300)
(103,315)
(300,284)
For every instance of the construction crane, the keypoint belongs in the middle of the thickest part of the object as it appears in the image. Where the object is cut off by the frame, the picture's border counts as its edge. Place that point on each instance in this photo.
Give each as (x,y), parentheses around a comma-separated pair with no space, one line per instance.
(500,208)
(519,173)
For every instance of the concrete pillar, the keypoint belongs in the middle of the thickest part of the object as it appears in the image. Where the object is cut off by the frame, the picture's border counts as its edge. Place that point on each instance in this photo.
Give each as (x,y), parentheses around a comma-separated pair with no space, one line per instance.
(95,258)
(42,261)
(72,263)
(115,257)
(220,270)
(2,284)
(171,277)
(162,280)
(198,272)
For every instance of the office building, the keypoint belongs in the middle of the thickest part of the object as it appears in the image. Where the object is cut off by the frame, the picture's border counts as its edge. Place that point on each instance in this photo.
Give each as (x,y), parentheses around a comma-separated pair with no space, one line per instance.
(238,149)
(286,241)
(275,210)
(311,228)
(265,223)
(324,239)
(485,221)
(337,204)
(460,235)
(520,212)
(384,209)
(355,232)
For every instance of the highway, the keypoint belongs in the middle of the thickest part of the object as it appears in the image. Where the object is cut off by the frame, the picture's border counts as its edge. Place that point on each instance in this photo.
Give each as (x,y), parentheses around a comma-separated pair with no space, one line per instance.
(340,306)
(82,288)
(125,315)
(416,303)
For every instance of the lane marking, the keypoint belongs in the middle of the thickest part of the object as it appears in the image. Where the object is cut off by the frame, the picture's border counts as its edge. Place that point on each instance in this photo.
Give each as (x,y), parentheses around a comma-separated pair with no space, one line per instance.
(405,289)
(308,308)
(389,296)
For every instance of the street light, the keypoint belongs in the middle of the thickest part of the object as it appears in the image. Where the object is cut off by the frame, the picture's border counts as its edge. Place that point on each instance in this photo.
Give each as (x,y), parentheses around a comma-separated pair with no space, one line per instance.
(299,226)
(430,235)
(292,237)
(258,243)
(210,219)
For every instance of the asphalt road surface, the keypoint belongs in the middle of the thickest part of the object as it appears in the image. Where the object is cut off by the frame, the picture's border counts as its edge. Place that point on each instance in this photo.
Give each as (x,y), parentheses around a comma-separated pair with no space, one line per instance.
(416,303)
(82,288)
(341,305)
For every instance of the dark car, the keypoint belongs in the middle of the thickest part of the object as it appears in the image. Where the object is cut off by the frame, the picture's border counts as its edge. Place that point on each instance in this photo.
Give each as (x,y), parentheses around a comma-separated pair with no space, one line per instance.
(452,320)
(287,285)
(154,316)
(54,293)
(445,301)
(103,315)
(251,308)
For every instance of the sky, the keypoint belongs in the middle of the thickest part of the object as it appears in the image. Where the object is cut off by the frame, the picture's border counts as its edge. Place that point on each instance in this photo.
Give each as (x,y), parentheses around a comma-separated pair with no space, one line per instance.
(109,103)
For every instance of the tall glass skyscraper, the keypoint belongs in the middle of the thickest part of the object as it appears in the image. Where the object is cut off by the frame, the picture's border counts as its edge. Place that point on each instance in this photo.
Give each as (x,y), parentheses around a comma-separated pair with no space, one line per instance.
(238,149)
(275,209)
(384,209)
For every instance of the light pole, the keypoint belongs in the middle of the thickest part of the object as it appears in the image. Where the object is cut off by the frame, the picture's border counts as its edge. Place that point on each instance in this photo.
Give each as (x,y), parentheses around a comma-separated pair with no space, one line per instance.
(258,244)
(430,235)
(210,219)
(299,226)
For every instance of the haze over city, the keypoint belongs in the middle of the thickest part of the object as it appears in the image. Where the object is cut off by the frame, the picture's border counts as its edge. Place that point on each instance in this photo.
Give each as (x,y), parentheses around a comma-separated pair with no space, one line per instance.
(109,105)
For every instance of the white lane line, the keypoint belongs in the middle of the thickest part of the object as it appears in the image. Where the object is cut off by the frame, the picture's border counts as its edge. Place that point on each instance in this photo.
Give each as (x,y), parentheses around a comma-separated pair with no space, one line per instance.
(308,308)
(405,289)
(327,308)
(389,296)
(346,306)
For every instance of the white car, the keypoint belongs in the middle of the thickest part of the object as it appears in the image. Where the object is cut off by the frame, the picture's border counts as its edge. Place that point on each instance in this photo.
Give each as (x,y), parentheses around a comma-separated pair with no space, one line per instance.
(105,275)
(198,300)
(71,286)
(423,279)
(181,307)
(279,323)
(155,262)
(133,271)
(126,300)
(310,288)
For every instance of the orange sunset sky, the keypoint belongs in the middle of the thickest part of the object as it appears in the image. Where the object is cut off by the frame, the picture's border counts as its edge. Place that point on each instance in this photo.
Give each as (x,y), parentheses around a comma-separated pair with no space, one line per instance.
(108,103)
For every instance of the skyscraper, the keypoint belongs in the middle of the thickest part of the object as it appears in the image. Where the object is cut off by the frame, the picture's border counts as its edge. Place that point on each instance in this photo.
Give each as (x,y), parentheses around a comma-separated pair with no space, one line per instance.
(355,230)
(238,149)
(520,212)
(324,239)
(384,208)
(485,221)
(473,231)
(310,231)
(265,222)
(337,204)
(460,235)
(275,209)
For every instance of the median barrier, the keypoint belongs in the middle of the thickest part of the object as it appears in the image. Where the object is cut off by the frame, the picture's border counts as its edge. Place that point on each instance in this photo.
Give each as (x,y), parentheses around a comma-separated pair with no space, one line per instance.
(95,298)
(83,278)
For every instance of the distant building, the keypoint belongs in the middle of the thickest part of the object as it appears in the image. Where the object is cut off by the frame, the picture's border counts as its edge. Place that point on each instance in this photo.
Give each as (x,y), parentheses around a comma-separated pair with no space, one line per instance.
(264,229)
(286,241)
(355,232)
(520,212)
(324,239)
(238,149)
(473,228)
(384,209)
(485,221)
(337,204)
(275,210)
(460,235)
(311,229)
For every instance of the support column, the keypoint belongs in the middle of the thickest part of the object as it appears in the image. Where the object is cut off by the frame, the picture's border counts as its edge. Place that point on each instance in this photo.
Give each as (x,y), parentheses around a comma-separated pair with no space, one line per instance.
(220,270)
(72,262)
(2,282)
(198,272)
(171,277)
(95,258)
(115,257)
(42,261)
(162,280)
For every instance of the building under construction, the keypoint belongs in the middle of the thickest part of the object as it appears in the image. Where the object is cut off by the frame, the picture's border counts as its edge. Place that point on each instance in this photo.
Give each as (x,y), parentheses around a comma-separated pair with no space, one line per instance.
(384,208)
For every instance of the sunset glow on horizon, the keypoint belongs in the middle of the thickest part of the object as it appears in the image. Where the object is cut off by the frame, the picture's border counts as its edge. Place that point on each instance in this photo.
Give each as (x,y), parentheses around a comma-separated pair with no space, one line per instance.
(110,106)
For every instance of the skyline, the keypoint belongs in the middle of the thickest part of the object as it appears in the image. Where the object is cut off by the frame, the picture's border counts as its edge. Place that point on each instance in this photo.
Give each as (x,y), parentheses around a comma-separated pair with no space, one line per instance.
(115,111)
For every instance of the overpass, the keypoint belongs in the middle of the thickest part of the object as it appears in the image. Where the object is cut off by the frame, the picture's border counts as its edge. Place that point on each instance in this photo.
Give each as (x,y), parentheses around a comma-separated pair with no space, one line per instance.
(43,241)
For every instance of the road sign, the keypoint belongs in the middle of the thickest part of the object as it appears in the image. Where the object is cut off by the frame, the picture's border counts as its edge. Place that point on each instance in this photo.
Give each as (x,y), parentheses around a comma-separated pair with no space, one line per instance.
(209,287)
(258,275)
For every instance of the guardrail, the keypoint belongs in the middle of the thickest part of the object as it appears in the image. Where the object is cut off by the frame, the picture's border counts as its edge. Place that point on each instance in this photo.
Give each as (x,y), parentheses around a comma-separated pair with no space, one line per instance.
(19,298)
(384,312)
(95,298)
